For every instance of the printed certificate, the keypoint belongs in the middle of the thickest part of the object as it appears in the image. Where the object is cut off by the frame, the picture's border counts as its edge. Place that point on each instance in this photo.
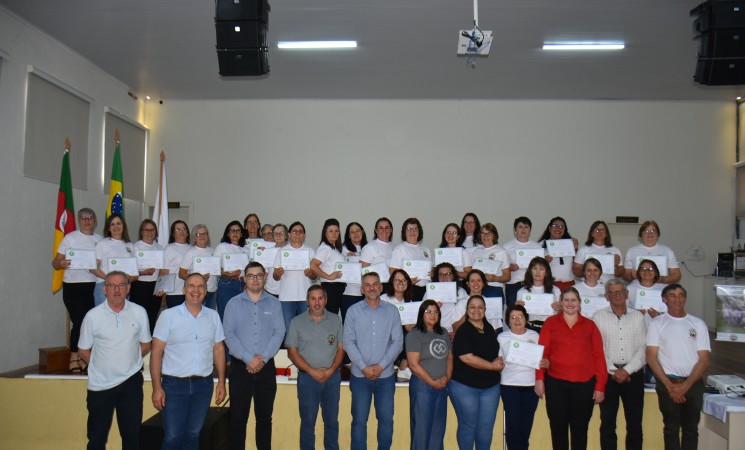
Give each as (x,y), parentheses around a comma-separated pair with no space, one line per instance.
(453,255)
(607,261)
(417,268)
(524,256)
(234,261)
(380,268)
(445,292)
(493,309)
(351,272)
(539,304)
(166,283)
(524,353)
(295,259)
(560,247)
(265,257)
(82,258)
(649,298)
(150,259)
(126,264)
(409,312)
(490,266)
(206,265)
(592,304)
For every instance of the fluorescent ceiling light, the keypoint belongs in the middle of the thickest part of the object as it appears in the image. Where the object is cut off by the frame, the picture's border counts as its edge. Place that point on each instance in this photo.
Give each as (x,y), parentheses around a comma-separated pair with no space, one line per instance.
(583,45)
(316,44)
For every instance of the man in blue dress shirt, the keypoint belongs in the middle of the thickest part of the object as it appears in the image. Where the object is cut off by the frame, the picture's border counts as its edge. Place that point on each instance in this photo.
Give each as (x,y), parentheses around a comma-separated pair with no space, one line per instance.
(254,330)
(187,341)
(372,339)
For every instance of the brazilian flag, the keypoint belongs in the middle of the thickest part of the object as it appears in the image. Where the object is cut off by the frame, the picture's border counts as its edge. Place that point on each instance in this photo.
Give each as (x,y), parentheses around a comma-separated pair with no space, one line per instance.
(116,186)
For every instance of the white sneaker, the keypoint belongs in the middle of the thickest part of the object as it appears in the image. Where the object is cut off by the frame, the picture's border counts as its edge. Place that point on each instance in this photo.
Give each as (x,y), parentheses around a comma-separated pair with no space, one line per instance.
(403,374)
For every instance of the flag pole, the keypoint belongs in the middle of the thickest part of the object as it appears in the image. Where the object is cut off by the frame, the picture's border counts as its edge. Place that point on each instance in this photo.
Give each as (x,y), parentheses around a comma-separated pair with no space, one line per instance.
(68,145)
(160,182)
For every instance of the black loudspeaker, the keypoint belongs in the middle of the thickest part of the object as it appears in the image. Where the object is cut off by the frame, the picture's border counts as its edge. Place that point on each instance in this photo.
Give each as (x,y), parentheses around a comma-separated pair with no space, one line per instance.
(242,63)
(720,29)
(239,35)
(242,10)
(215,434)
(720,72)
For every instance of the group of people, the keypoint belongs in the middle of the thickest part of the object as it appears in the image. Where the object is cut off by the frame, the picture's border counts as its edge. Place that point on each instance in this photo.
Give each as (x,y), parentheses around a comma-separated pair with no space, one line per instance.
(452,351)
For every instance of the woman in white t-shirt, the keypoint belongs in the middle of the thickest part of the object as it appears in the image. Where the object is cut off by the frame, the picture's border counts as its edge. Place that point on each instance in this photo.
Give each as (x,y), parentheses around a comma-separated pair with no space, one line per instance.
(230,283)
(279,233)
(518,381)
(599,243)
(115,244)
(522,227)
(411,249)
(451,239)
(592,270)
(561,267)
(294,284)
(200,235)
(469,231)
(324,263)
(539,280)
(647,278)
(355,240)
(649,233)
(490,250)
(143,288)
(178,244)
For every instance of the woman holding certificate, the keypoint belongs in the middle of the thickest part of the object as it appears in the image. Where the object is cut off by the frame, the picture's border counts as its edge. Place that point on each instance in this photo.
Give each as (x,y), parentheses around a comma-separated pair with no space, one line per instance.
(539,294)
(201,238)
(380,249)
(495,264)
(115,244)
(561,266)
(521,244)
(576,378)
(469,231)
(324,263)
(355,240)
(252,225)
(143,288)
(294,273)
(476,284)
(431,361)
(649,233)
(230,283)
(599,243)
(279,233)
(518,381)
(399,291)
(647,278)
(178,244)
(451,250)
(413,257)
(77,284)
(474,389)
(592,270)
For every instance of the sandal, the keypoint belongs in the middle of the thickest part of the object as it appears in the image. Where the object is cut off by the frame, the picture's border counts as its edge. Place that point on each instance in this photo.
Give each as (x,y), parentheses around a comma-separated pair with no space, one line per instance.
(76,369)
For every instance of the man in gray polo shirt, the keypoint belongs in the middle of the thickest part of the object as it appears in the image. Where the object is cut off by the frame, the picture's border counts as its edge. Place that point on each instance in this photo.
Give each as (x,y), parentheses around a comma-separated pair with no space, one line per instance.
(314,346)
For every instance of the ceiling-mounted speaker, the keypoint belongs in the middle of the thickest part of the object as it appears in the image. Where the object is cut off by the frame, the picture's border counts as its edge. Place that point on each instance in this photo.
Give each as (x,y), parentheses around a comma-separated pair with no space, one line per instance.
(720,28)
(242,10)
(241,28)
(720,71)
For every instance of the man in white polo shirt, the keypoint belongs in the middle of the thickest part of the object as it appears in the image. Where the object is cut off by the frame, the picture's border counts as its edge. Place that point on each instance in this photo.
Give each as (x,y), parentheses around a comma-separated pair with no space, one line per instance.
(114,337)
(187,341)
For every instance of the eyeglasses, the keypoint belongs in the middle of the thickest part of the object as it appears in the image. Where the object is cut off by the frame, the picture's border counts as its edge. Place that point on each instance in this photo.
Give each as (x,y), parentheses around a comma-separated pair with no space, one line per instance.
(600,230)
(412,230)
(266,233)
(556,226)
(279,233)
(252,222)
(445,274)
(254,276)
(431,312)
(235,231)
(82,218)
(486,233)
(296,232)
(616,293)
(180,230)
(647,269)
(148,230)
(469,222)
(205,234)
(520,317)
(451,233)
(649,231)
(116,286)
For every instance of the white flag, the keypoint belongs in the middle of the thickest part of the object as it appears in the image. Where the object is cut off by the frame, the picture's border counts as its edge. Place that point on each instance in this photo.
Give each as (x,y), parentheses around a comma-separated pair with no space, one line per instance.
(160,212)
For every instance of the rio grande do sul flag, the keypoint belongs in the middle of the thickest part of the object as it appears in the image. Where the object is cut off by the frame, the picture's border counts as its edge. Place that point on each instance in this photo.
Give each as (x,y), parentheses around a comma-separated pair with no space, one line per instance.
(65,220)
(116,185)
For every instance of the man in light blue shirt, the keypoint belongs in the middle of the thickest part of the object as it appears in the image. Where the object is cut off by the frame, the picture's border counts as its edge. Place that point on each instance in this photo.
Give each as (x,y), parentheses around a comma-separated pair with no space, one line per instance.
(372,339)
(187,341)
(254,330)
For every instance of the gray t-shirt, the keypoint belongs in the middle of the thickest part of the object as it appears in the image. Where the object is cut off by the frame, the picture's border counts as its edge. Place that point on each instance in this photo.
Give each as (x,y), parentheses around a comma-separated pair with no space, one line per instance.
(433,351)
(317,342)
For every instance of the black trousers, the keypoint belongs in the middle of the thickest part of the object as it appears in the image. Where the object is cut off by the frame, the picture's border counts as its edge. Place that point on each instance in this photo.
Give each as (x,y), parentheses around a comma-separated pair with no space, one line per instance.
(262,388)
(632,396)
(126,400)
(142,294)
(334,293)
(78,299)
(681,420)
(569,406)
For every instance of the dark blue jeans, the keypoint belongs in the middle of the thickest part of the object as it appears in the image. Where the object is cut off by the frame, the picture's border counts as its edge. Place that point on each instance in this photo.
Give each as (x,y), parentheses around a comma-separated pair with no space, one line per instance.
(126,400)
(429,413)
(227,288)
(310,395)
(363,391)
(187,403)
(520,403)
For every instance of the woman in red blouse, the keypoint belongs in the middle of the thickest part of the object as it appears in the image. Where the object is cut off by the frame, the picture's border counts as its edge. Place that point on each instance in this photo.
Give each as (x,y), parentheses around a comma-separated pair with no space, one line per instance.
(575,381)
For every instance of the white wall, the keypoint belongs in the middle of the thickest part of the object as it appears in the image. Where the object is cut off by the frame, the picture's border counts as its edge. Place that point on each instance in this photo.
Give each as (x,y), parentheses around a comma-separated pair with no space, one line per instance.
(435,160)
(31,316)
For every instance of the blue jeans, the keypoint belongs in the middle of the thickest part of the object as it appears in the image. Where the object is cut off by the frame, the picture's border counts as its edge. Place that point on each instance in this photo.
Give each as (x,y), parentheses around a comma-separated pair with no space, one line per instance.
(209,300)
(429,413)
(311,394)
(227,288)
(174,300)
(476,410)
(187,403)
(98,295)
(520,403)
(292,309)
(363,391)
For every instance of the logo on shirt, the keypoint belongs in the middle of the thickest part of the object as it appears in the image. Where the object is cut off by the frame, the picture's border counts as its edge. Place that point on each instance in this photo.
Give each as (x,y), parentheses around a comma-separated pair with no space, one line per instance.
(438,348)
(426,255)
(331,339)
(692,333)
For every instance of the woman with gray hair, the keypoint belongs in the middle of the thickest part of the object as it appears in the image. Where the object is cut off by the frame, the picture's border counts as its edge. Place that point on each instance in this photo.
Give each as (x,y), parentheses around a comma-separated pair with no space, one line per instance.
(201,238)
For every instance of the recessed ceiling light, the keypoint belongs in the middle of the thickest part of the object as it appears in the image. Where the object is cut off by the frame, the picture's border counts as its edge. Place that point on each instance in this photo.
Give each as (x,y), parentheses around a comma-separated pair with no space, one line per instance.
(583,45)
(316,44)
